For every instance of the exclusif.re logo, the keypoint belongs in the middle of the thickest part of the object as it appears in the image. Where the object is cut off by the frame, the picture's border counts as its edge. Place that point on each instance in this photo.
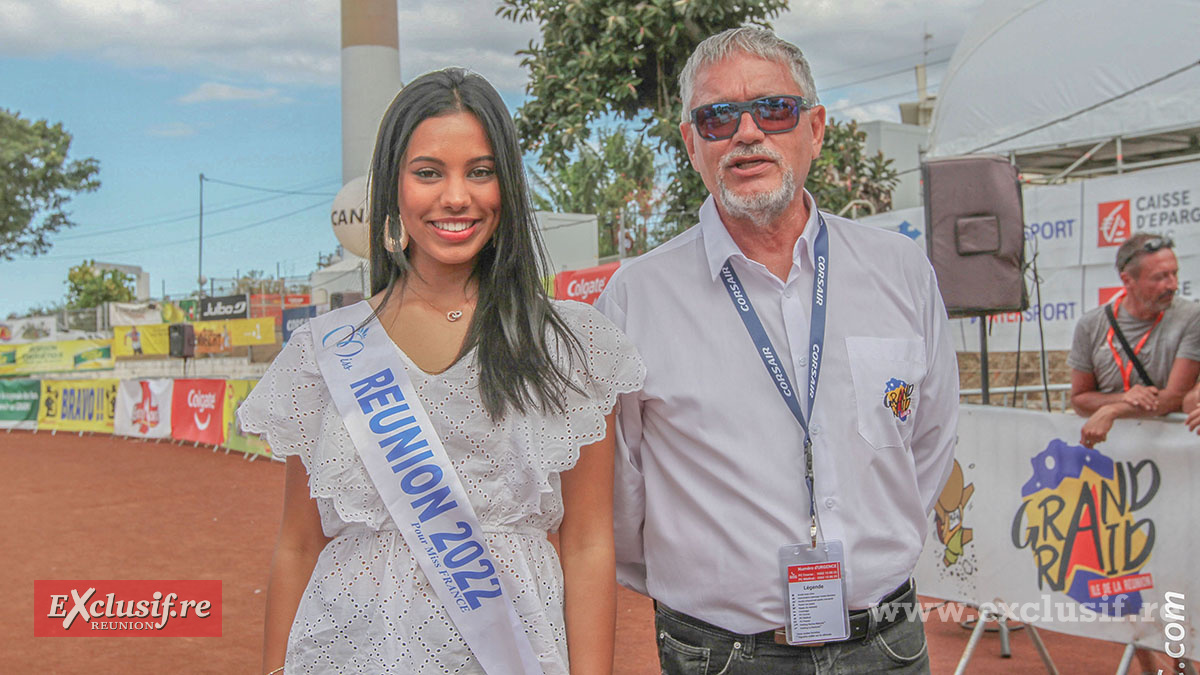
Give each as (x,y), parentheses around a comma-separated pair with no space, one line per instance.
(1113,220)
(93,608)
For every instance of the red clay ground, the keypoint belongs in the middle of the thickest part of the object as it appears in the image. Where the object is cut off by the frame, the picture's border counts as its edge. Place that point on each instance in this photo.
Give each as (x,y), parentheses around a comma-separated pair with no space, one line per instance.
(98,507)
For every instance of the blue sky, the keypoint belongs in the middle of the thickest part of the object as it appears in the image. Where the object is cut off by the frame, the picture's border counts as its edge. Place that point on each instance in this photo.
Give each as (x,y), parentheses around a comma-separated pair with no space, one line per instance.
(247,92)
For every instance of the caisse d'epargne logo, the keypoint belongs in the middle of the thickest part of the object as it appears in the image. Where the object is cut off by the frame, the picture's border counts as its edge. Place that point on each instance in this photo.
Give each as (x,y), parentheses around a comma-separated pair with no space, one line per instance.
(125,608)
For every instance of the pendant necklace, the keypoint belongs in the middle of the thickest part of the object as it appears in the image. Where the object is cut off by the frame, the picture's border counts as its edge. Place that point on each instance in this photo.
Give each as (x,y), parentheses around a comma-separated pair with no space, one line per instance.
(451,316)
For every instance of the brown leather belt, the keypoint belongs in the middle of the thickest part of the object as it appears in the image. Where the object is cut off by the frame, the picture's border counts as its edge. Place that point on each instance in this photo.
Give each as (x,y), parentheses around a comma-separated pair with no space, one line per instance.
(890,610)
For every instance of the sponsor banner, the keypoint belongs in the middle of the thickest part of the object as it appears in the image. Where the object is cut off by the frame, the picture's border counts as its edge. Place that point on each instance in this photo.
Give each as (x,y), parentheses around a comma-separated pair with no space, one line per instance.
(212,337)
(247,332)
(173,313)
(31,329)
(134,313)
(1158,201)
(53,357)
(584,285)
(1053,225)
(1101,282)
(908,222)
(144,408)
(139,340)
(127,608)
(224,307)
(236,391)
(1089,542)
(294,317)
(197,407)
(1060,308)
(19,403)
(274,304)
(78,405)
(215,337)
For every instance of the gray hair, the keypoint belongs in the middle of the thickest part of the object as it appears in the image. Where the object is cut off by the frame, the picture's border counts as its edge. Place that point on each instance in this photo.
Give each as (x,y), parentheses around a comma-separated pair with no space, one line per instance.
(758,42)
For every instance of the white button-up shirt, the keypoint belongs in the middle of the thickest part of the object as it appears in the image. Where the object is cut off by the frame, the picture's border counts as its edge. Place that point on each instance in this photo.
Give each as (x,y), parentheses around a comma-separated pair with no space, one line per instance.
(710,466)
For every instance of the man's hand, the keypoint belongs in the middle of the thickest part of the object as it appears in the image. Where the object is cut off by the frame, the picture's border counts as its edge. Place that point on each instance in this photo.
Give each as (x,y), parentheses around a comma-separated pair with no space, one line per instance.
(1096,429)
(1193,420)
(1141,397)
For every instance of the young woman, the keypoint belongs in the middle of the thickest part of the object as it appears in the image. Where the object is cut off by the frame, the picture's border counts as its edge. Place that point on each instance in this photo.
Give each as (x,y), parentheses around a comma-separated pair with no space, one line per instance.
(519,389)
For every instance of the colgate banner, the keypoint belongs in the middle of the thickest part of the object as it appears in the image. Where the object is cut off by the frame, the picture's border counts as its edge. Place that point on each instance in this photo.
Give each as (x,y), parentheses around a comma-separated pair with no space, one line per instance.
(584,285)
(197,411)
(144,408)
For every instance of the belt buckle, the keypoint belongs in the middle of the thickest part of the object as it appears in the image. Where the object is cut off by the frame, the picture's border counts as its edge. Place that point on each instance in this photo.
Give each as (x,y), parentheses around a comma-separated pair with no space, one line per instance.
(781,639)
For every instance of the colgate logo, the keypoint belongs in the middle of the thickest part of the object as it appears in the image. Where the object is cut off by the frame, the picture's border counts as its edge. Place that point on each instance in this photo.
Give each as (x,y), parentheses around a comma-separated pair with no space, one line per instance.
(1114,219)
(201,401)
(583,288)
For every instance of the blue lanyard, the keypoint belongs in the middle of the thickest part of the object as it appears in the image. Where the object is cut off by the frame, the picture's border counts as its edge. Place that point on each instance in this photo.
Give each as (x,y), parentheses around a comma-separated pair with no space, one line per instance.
(770,359)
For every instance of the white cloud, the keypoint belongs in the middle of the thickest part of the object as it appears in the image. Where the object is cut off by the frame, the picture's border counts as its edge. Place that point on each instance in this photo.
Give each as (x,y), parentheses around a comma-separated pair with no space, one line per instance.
(215,91)
(298,42)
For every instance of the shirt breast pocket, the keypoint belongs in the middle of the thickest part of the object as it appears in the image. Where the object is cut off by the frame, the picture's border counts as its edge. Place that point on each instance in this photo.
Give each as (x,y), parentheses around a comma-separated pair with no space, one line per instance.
(887,375)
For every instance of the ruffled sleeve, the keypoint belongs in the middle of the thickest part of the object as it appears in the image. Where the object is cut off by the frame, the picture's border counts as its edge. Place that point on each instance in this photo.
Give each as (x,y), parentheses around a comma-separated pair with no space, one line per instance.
(286,406)
(613,367)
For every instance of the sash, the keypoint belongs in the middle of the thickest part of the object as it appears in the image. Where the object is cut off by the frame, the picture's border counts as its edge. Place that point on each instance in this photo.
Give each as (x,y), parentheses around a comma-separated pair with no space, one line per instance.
(410,469)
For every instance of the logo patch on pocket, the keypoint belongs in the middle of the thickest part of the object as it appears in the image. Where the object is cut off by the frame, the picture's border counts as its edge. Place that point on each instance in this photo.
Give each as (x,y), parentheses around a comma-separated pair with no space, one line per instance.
(897,397)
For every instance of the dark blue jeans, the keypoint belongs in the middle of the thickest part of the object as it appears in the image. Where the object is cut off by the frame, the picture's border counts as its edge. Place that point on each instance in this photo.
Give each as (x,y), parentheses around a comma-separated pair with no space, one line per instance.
(687,646)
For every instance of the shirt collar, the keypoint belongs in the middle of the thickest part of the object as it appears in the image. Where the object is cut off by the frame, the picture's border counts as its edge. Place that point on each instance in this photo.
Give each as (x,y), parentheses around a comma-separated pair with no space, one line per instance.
(719,247)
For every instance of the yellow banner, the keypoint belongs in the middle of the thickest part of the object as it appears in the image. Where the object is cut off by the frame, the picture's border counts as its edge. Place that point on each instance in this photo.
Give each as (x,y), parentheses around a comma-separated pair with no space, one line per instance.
(78,405)
(236,391)
(51,357)
(258,331)
(213,337)
(137,340)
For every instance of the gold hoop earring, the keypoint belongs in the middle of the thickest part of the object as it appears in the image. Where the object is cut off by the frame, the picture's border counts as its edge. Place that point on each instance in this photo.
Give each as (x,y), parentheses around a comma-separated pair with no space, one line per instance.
(392,241)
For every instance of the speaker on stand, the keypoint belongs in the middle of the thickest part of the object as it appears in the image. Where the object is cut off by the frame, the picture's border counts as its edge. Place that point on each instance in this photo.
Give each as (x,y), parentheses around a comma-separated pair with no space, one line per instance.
(975,238)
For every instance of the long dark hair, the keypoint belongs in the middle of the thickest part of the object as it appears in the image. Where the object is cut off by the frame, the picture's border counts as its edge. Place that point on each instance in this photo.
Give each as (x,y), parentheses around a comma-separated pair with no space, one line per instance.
(514,322)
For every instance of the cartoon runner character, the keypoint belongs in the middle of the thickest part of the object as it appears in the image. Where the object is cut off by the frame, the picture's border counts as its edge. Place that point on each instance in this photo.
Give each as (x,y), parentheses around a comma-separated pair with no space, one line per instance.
(948,514)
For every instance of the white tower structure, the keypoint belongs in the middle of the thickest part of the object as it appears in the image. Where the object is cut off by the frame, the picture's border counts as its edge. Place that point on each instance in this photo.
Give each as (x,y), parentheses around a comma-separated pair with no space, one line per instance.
(370,80)
(370,77)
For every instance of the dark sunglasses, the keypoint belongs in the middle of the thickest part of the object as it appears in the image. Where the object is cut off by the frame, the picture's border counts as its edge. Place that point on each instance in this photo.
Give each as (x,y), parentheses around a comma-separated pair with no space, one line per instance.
(772,114)
(1151,245)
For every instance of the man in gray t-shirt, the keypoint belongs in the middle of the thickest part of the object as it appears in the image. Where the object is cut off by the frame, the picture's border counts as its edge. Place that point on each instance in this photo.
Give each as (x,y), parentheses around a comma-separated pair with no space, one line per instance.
(1164,332)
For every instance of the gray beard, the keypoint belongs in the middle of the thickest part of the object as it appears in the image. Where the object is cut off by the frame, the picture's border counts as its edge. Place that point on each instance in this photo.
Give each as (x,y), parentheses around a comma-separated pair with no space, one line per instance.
(760,208)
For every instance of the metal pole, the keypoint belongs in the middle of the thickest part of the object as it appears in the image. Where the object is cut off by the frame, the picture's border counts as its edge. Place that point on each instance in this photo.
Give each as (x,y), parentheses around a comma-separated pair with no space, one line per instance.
(200,247)
(983,359)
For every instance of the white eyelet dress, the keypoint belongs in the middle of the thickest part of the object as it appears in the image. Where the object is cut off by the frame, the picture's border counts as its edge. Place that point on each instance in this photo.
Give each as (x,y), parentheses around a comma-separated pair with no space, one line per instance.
(368,607)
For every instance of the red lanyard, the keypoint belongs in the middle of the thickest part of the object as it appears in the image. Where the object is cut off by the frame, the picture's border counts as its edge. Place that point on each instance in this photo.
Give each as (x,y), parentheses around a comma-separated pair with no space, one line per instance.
(1127,368)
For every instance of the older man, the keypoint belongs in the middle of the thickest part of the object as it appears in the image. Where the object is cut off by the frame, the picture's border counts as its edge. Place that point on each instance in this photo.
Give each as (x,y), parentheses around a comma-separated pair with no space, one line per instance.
(1151,371)
(798,420)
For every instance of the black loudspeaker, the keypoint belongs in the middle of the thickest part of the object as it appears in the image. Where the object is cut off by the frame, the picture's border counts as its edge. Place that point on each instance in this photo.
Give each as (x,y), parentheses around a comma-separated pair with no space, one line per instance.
(344,299)
(182,339)
(975,234)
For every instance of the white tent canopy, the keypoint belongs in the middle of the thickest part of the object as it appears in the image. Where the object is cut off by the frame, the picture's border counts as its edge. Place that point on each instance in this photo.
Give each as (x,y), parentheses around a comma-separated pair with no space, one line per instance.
(1053,78)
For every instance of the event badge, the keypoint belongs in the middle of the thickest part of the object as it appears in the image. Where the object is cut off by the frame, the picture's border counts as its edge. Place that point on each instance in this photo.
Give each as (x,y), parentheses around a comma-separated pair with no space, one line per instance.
(815,583)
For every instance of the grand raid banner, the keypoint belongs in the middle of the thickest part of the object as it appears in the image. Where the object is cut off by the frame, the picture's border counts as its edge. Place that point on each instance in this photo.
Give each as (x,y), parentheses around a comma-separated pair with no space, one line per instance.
(1097,542)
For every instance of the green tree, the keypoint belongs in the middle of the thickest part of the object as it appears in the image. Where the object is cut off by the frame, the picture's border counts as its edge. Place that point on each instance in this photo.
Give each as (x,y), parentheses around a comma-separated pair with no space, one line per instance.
(36,182)
(600,59)
(614,178)
(89,287)
(843,172)
(605,58)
